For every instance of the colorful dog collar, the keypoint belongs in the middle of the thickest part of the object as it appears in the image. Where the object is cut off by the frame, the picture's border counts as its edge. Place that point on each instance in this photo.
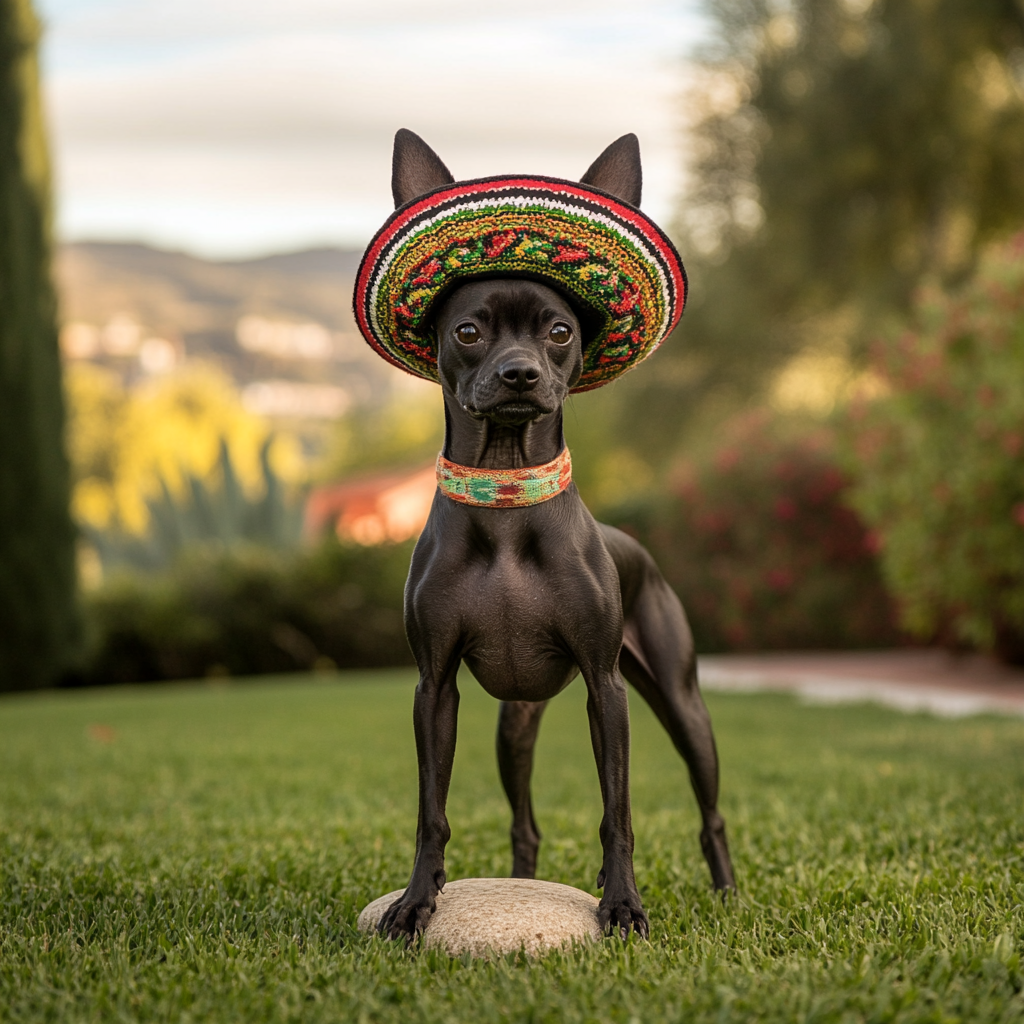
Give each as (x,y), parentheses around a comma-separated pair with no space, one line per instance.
(603,253)
(504,488)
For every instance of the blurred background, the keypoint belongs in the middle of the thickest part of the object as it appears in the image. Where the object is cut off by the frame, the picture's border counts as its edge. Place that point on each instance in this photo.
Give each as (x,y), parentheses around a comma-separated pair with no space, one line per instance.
(204,470)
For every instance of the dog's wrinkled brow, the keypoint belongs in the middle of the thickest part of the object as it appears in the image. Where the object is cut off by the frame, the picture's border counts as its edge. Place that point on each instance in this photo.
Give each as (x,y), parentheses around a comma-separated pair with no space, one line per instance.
(512,304)
(522,309)
(549,314)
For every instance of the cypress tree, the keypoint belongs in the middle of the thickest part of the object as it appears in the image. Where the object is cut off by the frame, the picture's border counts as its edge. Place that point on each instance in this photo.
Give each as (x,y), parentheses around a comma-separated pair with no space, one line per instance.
(38,622)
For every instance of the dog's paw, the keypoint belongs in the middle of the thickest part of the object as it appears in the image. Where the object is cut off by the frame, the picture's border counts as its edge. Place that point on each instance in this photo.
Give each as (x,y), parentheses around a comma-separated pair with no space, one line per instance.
(716,853)
(406,918)
(623,915)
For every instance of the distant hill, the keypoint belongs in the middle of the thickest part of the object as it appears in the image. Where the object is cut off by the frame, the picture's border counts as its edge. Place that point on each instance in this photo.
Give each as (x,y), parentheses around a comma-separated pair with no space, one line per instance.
(341,262)
(197,304)
(172,291)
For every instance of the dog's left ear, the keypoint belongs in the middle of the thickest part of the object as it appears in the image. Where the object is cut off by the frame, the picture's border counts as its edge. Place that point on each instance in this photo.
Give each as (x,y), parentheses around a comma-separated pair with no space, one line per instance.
(415,168)
(617,170)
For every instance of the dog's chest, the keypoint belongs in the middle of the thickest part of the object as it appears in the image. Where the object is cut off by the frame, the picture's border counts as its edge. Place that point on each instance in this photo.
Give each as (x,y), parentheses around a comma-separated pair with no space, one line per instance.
(509,602)
(522,601)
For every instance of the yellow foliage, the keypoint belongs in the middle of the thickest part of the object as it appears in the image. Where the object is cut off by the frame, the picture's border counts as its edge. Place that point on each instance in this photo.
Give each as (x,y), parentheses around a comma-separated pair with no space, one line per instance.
(96,405)
(122,443)
(812,382)
(408,429)
(816,382)
(621,474)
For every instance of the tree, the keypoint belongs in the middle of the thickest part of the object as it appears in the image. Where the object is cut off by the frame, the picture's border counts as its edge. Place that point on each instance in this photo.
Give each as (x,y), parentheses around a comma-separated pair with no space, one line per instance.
(38,623)
(755,536)
(939,457)
(844,152)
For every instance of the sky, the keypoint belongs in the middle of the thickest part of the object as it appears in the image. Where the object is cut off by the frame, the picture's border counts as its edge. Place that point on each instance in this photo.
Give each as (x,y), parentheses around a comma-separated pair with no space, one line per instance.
(234,128)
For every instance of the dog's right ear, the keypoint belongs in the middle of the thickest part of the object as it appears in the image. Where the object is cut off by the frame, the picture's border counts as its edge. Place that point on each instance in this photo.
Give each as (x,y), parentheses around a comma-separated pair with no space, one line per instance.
(415,168)
(617,170)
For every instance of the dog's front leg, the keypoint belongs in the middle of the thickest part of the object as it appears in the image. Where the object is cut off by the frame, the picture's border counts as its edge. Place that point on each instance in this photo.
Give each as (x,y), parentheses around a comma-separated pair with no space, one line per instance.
(608,711)
(435,714)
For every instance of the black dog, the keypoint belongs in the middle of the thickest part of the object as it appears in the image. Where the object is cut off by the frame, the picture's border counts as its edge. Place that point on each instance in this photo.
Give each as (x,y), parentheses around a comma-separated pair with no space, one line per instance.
(530,596)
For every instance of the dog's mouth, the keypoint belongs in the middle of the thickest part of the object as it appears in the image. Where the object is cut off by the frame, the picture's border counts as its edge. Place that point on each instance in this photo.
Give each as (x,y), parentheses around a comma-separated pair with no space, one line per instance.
(511,413)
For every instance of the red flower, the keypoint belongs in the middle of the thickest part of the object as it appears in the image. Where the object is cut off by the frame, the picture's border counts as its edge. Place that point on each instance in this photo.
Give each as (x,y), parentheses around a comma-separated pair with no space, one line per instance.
(726,459)
(1018,514)
(712,522)
(780,579)
(737,634)
(785,508)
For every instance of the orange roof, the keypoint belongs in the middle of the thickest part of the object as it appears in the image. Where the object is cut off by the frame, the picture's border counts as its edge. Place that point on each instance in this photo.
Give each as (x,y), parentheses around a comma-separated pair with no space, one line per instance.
(370,510)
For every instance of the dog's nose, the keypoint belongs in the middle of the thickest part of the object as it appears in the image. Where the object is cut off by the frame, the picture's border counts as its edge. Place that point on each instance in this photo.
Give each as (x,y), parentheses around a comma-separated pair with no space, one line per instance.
(519,374)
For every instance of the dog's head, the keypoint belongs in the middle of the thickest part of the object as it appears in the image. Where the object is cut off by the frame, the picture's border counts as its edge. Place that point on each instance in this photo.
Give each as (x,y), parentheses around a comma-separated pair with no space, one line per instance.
(509,349)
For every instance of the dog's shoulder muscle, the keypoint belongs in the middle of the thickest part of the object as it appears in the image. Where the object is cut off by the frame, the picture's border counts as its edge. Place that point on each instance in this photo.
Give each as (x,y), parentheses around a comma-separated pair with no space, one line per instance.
(633,562)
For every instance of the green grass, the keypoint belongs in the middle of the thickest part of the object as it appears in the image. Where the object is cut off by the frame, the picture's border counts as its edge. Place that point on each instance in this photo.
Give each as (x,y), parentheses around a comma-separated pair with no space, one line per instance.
(199,853)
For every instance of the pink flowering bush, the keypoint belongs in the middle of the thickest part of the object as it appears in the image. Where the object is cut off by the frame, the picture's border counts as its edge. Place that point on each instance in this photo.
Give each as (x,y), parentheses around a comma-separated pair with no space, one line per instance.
(758,541)
(939,461)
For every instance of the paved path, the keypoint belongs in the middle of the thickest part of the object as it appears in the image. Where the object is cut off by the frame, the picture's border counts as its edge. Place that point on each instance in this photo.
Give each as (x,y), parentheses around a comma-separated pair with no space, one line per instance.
(912,680)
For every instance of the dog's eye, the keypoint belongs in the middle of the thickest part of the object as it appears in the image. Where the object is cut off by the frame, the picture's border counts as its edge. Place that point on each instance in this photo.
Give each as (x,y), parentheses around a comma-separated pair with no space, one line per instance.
(560,334)
(467,334)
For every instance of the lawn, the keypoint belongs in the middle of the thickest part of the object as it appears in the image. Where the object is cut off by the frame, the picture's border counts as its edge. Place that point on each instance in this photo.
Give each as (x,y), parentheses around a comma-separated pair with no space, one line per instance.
(200,853)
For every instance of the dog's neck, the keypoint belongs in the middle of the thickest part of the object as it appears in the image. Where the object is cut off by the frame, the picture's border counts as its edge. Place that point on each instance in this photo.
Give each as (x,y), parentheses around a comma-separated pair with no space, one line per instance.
(486,445)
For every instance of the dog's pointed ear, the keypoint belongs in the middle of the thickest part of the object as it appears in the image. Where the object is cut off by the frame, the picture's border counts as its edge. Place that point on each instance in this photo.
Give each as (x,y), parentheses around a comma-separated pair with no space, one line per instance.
(617,170)
(415,168)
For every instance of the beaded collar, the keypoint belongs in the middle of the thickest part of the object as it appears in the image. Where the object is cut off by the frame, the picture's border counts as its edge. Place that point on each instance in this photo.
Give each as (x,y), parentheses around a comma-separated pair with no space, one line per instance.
(504,488)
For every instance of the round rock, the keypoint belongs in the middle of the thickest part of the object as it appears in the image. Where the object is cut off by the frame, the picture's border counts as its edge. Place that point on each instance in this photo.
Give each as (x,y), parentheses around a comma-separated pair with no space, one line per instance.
(501,915)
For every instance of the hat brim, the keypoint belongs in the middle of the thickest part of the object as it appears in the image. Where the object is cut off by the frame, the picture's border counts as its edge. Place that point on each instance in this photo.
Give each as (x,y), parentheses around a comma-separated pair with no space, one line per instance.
(600,252)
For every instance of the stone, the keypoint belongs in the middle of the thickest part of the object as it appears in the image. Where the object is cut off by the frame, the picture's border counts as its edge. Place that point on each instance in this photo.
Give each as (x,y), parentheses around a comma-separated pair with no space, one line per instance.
(501,915)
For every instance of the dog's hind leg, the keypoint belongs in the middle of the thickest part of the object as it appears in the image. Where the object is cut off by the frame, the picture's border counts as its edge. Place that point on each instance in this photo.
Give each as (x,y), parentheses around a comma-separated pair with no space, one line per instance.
(518,722)
(658,659)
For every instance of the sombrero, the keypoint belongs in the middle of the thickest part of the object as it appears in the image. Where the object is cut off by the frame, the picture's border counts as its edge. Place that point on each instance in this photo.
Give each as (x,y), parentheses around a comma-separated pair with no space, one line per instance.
(605,255)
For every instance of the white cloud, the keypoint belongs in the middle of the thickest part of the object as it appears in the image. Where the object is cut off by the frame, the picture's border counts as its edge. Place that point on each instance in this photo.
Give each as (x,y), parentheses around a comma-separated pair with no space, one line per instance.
(231,127)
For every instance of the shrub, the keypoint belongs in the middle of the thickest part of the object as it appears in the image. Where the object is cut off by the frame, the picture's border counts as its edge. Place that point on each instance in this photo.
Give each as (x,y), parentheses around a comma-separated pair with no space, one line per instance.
(214,513)
(757,540)
(940,461)
(250,611)
(128,445)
